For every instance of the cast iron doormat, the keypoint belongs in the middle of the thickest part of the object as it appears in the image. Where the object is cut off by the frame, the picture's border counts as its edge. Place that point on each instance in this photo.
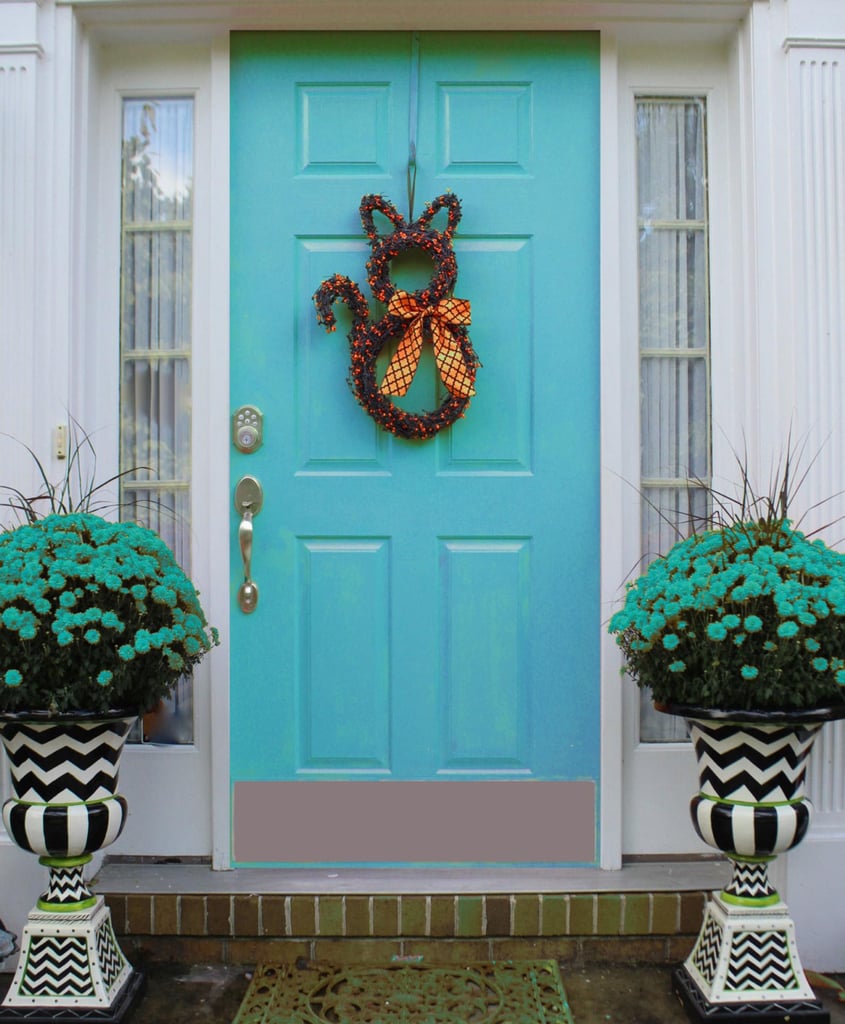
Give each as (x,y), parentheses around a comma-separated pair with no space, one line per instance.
(521,992)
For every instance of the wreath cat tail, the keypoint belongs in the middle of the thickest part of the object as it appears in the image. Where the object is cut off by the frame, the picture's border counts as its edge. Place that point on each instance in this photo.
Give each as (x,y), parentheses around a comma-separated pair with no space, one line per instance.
(340,287)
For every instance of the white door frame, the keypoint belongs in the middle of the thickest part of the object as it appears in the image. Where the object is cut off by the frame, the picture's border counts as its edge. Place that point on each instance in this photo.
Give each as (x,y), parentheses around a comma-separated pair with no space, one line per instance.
(177,819)
(662,826)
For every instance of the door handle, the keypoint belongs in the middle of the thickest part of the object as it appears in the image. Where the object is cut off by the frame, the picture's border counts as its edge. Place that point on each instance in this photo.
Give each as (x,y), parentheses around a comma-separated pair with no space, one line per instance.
(249,498)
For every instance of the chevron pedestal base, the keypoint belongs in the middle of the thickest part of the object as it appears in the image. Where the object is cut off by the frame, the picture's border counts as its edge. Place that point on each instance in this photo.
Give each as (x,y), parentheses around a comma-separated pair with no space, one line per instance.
(745,965)
(71,969)
(784,1011)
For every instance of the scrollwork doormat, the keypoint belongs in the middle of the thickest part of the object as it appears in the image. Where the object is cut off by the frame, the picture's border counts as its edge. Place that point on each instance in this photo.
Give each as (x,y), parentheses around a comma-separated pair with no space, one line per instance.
(520,992)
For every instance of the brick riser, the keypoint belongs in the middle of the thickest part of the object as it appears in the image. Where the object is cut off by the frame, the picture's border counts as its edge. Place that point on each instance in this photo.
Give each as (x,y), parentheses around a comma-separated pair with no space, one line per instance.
(643,927)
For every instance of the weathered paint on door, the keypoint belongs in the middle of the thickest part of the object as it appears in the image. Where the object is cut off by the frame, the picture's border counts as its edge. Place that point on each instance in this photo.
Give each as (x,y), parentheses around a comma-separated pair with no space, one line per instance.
(420,680)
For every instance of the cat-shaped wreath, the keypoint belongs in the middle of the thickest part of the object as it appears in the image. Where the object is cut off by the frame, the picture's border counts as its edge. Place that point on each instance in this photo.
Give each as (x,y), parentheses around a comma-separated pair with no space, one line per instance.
(431,313)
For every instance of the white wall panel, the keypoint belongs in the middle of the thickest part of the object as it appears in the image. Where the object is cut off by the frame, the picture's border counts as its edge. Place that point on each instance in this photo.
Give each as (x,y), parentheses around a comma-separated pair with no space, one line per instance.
(811,56)
(817,100)
(17,244)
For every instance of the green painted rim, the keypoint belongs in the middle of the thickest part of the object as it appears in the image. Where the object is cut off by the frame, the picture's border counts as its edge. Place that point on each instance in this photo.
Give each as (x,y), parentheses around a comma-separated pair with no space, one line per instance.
(65,862)
(74,803)
(753,803)
(750,901)
(66,908)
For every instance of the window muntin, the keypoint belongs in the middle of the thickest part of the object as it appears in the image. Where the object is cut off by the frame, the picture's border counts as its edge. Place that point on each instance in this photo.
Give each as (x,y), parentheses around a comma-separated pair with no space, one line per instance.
(674,333)
(155,341)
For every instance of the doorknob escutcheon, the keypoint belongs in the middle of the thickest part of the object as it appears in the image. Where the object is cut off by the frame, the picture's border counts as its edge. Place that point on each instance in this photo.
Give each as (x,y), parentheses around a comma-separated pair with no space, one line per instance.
(249,499)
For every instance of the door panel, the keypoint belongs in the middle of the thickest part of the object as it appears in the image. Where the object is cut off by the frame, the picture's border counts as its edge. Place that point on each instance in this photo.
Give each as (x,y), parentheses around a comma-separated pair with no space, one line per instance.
(428,611)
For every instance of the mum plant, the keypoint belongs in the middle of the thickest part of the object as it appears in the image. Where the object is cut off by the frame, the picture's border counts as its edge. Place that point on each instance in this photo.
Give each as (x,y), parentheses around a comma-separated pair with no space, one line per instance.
(747,613)
(94,615)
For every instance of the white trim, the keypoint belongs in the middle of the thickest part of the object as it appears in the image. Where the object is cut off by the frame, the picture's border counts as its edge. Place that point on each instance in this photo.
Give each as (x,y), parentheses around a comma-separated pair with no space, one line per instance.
(662,826)
(612,392)
(178,820)
(813,43)
(218,433)
(22,48)
(214,15)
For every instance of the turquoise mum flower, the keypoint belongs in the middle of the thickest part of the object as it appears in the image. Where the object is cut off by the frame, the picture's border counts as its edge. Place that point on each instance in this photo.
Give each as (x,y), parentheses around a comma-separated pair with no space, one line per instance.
(717,630)
(13,677)
(671,641)
(753,623)
(749,672)
(787,629)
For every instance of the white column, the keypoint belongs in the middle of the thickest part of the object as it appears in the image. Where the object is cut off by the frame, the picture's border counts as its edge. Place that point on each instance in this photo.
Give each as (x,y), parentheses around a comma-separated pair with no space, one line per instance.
(21,65)
(795,186)
(20,60)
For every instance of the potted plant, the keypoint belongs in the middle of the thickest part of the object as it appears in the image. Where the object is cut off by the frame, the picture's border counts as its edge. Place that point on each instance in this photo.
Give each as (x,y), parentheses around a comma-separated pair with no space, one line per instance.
(97,624)
(740,628)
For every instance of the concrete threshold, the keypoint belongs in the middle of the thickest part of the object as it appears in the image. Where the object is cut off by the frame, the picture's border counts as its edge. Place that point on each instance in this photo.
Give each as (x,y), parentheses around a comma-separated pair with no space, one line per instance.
(159,876)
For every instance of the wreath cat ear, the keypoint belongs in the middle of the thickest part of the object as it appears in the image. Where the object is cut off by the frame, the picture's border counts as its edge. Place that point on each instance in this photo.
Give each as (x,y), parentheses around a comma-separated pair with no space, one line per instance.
(371,203)
(448,201)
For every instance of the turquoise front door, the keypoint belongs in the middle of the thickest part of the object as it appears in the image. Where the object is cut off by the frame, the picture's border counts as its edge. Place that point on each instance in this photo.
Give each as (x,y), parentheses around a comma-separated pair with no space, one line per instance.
(419,682)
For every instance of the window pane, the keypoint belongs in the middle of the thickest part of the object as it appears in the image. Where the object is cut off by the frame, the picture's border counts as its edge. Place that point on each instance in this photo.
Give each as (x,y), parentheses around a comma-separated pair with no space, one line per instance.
(667,514)
(165,511)
(158,160)
(156,300)
(671,169)
(155,344)
(673,419)
(156,419)
(673,288)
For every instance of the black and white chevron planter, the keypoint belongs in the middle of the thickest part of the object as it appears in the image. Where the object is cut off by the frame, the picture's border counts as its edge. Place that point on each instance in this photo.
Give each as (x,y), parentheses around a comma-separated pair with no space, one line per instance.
(751,806)
(64,775)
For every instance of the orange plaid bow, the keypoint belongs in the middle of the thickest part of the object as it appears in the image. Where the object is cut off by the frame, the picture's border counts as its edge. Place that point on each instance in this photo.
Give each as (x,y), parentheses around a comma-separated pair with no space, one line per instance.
(456,374)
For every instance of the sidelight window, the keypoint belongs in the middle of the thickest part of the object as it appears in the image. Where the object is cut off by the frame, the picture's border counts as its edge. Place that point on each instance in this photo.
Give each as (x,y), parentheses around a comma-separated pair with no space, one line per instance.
(156,339)
(674,333)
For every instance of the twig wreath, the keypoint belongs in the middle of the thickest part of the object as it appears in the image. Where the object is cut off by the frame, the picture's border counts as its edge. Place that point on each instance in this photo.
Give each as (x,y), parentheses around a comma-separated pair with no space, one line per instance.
(431,313)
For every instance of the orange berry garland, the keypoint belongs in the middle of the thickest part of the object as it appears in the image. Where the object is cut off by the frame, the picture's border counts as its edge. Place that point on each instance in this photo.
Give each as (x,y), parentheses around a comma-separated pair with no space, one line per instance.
(429,313)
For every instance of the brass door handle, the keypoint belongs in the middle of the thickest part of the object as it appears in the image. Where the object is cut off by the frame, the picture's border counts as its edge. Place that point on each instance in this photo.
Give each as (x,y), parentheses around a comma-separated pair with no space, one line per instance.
(249,497)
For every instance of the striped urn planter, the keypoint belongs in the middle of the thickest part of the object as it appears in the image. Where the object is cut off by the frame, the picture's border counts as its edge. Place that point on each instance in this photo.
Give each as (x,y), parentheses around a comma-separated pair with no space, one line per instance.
(751,805)
(65,807)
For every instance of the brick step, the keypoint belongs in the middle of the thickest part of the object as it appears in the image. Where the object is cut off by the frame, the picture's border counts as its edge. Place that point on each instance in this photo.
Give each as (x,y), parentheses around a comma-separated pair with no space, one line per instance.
(652,927)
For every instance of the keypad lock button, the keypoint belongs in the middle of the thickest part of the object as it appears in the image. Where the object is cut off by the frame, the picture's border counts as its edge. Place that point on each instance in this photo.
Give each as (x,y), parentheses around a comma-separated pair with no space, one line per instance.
(247,429)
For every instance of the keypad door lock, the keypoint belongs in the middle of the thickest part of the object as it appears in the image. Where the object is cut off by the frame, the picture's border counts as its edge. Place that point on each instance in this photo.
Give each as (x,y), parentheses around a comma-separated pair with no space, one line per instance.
(247,429)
